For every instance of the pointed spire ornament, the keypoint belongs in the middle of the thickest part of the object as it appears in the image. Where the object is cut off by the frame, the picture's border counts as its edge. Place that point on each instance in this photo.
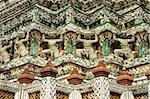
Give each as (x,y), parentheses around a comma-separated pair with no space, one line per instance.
(48,73)
(124,78)
(48,70)
(101,83)
(75,78)
(26,77)
(101,70)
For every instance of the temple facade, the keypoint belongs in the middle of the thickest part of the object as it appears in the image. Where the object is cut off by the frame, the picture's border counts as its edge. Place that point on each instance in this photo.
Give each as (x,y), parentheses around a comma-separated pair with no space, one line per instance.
(74,49)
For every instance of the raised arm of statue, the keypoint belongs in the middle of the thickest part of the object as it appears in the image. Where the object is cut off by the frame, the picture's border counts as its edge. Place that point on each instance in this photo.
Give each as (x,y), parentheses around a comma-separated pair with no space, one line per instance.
(23,40)
(138,40)
(17,40)
(146,36)
(8,46)
(52,40)
(59,40)
(27,37)
(44,39)
(132,39)
(114,37)
(96,39)
(1,39)
(79,38)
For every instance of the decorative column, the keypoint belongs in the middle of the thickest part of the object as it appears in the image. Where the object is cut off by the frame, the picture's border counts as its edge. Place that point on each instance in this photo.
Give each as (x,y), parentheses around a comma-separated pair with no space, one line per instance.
(101,81)
(75,78)
(75,95)
(48,73)
(125,79)
(127,95)
(21,94)
(24,79)
(147,74)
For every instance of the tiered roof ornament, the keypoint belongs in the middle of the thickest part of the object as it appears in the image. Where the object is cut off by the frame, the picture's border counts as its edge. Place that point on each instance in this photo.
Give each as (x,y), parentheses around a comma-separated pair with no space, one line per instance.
(101,70)
(48,70)
(75,78)
(26,77)
(124,78)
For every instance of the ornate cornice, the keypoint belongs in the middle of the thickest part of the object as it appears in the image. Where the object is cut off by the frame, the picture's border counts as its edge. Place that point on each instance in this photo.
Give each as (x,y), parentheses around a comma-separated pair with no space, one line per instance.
(62,16)
(101,13)
(15,10)
(137,88)
(71,27)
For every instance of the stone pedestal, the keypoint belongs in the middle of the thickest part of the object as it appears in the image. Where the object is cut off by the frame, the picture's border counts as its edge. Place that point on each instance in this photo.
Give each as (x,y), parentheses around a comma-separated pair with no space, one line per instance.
(101,88)
(48,90)
(75,95)
(127,95)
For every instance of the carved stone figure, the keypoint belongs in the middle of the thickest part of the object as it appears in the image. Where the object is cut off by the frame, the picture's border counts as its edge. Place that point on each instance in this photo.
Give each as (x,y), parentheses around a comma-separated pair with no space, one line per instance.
(141,44)
(52,44)
(125,50)
(69,16)
(70,45)
(35,17)
(3,52)
(121,25)
(70,42)
(87,43)
(35,43)
(59,52)
(22,50)
(105,40)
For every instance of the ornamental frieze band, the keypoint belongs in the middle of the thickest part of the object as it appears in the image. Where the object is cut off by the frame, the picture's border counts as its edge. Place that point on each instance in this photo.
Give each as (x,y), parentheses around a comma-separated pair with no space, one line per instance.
(74,49)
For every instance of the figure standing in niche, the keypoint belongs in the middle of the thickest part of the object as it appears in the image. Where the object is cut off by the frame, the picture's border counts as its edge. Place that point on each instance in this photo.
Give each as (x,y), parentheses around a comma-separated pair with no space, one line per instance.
(87,43)
(121,24)
(35,44)
(143,49)
(35,17)
(60,51)
(3,51)
(106,48)
(105,40)
(22,50)
(141,44)
(69,43)
(52,44)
